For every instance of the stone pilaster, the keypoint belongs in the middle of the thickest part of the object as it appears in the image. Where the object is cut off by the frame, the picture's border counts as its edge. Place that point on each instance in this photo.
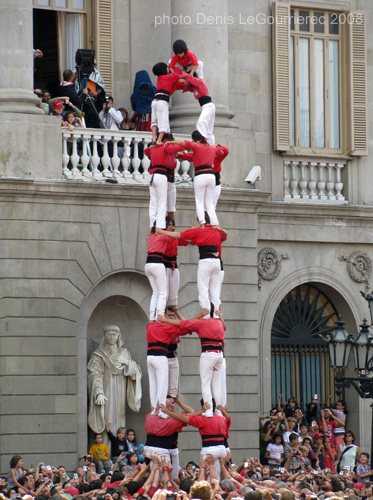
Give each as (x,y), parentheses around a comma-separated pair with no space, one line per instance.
(30,145)
(205,30)
(16,50)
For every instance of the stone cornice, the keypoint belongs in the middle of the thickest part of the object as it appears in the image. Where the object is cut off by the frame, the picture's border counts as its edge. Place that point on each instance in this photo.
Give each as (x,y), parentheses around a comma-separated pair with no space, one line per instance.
(116,194)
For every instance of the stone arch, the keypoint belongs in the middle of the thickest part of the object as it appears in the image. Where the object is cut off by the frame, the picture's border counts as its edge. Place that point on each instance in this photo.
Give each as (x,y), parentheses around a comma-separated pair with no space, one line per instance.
(343,297)
(121,298)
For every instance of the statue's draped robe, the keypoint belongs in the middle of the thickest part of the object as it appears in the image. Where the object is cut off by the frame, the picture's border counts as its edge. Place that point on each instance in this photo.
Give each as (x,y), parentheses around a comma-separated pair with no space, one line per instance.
(119,379)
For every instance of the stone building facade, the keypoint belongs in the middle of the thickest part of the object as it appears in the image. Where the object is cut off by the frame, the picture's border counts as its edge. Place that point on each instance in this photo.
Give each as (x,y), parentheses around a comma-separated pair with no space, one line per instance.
(73,253)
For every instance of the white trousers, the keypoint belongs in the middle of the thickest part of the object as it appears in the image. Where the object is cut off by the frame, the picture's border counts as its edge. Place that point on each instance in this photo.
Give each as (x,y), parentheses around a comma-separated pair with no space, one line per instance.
(216,195)
(175,462)
(208,283)
(223,378)
(217,452)
(206,120)
(220,284)
(156,274)
(158,380)
(160,116)
(171,197)
(158,200)
(210,371)
(162,453)
(173,283)
(173,376)
(204,185)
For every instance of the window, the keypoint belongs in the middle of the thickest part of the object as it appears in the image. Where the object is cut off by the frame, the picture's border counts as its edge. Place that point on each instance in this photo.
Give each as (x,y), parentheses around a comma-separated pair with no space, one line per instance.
(69,5)
(300,357)
(76,24)
(320,104)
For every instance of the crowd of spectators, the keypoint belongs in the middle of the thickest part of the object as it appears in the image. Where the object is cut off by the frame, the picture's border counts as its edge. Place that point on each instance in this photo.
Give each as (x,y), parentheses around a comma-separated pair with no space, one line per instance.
(302,456)
(89,100)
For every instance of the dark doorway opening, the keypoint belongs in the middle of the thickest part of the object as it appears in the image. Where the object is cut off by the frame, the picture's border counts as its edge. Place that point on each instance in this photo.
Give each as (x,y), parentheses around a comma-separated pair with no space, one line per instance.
(47,71)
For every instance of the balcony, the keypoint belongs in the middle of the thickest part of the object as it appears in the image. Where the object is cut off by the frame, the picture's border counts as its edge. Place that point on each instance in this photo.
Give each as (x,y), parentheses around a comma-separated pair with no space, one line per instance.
(313,182)
(94,155)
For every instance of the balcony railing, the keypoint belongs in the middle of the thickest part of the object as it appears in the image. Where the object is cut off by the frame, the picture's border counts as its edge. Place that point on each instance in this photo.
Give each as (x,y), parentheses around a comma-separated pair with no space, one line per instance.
(313,182)
(97,155)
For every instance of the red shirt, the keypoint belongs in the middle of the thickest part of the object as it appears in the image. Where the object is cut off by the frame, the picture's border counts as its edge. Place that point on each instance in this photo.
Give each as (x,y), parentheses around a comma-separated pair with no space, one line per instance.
(162,426)
(203,154)
(171,248)
(219,159)
(163,332)
(209,426)
(205,328)
(195,85)
(330,424)
(201,237)
(160,155)
(168,82)
(157,243)
(189,59)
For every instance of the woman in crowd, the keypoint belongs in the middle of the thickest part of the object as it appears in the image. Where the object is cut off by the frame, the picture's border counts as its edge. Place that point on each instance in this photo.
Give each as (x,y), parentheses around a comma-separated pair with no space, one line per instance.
(275,451)
(348,453)
(125,124)
(340,411)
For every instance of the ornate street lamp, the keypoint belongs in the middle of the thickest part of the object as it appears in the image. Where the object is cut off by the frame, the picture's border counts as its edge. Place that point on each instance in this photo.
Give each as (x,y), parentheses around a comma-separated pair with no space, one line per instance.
(340,344)
(362,348)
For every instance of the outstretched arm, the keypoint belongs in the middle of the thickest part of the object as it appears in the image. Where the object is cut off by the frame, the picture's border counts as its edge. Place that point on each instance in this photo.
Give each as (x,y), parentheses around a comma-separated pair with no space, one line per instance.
(201,314)
(220,316)
(176,311)
(163,319)
(175,235)
(179,416)
(183,406)
(224,411)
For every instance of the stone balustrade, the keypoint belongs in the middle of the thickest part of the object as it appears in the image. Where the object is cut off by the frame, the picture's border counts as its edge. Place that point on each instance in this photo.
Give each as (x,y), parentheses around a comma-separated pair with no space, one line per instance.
(97,155)
(313,182)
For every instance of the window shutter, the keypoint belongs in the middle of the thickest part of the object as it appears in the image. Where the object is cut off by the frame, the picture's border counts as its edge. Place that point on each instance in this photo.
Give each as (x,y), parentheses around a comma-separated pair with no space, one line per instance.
(358,83)
(281,76)
(104,50)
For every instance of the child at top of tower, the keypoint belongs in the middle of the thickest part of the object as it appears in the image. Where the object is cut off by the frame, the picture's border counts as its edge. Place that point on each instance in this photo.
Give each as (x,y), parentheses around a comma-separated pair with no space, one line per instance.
(185,60)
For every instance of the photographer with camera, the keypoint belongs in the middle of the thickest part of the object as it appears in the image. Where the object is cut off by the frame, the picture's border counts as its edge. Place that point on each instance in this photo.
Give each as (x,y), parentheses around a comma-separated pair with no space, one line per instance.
(292,454)
(110,117)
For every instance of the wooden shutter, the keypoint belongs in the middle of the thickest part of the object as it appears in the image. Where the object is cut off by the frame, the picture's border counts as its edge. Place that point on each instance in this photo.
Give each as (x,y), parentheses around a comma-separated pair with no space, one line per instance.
(104,43)
(281,76)
(358,83)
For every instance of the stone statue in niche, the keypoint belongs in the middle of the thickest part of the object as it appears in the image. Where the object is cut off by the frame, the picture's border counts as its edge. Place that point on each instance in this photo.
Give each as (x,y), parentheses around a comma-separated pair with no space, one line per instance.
(113,379)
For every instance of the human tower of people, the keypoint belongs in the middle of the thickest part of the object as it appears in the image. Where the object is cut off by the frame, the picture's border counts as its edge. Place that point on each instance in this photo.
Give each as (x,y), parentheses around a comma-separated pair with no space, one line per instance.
(166,325)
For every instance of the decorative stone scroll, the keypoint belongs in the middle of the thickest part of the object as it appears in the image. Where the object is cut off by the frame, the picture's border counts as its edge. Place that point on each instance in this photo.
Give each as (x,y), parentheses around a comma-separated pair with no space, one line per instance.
(359,266)
(269,263)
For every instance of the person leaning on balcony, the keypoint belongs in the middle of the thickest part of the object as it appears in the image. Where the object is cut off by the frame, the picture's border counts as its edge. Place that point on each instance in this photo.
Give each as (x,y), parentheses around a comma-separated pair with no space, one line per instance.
(57,110)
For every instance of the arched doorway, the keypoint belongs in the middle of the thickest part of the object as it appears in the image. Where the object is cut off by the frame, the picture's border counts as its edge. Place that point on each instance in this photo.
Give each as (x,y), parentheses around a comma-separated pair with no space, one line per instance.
(299,356)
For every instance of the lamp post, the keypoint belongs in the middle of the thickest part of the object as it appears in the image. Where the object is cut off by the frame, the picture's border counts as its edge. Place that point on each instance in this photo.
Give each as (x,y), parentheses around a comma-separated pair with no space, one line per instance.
(340,345)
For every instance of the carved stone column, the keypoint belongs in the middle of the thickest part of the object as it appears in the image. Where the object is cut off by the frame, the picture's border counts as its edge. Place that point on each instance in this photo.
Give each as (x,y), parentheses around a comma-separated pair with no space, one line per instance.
(30,141)
(16,82)
(206,34)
